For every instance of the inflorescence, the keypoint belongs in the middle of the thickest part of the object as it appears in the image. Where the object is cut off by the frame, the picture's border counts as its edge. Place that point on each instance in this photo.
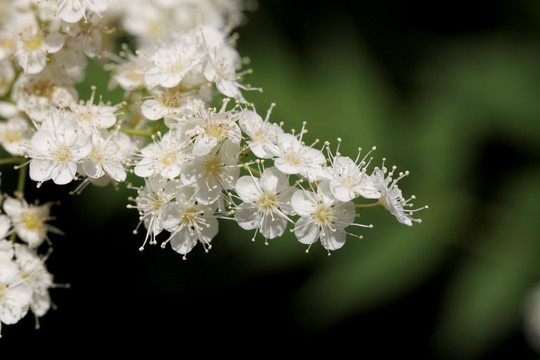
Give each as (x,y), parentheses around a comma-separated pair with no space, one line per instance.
(196,163)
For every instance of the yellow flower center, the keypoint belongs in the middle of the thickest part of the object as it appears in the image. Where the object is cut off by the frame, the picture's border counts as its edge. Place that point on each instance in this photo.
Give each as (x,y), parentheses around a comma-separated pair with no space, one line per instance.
(12,136)
(33,43)
(267,202)
(32,220)
(324,215)
(213,167)
(189,215)
(216,130)
(292,158)
(62,153)
(42,88)
(171,99)
(156,201)
(97,155)
(169,158)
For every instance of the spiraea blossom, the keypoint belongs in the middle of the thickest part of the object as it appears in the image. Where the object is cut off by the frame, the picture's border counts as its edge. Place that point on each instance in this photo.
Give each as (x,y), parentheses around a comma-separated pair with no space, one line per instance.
(34,273)
(171,104)
(391,196)
(29,220)
(192,162)
(92,117)
(165,156)
(56,149)
(322,217)
(24,283)
(38,95)
(292,156)
(173,63)
(261,134)
(213,173)
(266,203)
(150,202)
(14,133)
(15,294)
(189,221)
(349,178)
(72,11)
(34,45)
(209,128)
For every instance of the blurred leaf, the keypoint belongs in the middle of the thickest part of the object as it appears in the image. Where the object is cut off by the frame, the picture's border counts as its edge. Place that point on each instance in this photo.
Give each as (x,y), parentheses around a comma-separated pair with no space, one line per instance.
(337,91)
(484,299)
(492,82)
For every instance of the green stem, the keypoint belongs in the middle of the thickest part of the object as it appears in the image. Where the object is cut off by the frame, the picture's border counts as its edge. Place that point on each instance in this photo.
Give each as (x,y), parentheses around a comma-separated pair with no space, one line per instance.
(23,171)
(147,133)
(244,153)
(135,132)
(156,126)
(252,170)
(362,206)
(12,160)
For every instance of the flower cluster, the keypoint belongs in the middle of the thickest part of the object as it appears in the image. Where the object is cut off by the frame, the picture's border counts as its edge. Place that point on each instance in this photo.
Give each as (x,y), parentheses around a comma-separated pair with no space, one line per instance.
(184,131)
(24,278)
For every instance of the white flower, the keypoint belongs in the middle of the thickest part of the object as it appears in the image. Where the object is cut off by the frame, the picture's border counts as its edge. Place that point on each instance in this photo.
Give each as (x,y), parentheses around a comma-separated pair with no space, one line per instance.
(129,74)
(92,117)
(172,103)
(37,95)
(164,156)
(222,62)
(29,220)
(292,156)
(6,248)
(56,149)
(266,203)
(171,64)
(348,178)
(85,36)
(262,134)
(322,217)
(213,173)
(14,133)
(150,201)
(391,196)
(72,11)
(145,21)
(189,222)
(210,128)
(15,294)
(34,272)
(33,46)
(72,60)
(107,156)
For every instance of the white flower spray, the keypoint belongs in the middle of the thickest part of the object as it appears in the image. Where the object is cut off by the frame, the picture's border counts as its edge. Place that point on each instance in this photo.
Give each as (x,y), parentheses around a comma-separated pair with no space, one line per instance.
(197,163)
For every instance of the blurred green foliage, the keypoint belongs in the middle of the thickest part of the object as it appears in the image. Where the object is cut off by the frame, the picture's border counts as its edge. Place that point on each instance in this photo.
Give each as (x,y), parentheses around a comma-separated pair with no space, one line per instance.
(474,96)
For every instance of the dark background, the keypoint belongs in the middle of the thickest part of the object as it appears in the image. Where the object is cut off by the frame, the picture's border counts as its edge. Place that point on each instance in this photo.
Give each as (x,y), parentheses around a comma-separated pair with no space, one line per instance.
(242,298)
